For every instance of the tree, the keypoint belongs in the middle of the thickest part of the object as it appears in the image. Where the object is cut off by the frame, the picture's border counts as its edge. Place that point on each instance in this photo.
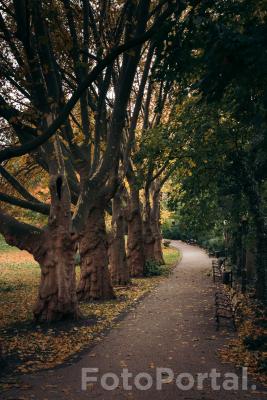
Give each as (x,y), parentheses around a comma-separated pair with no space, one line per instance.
(120,273)
(215,178)
(59,75)
(223,50)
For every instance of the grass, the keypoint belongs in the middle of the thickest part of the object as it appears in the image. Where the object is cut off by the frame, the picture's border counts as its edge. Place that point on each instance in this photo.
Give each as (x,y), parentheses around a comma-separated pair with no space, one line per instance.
(28,347)
(171,256)
(4,247)
(18,291)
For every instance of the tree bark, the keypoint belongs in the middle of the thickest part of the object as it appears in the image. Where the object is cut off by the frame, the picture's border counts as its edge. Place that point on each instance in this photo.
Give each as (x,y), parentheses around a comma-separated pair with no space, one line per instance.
(254,197)
(239,251)
(56,252)
(95,283)
(57,291)
(149,239)
(250,262)
(155,224)
(118,262)
(135,244)
(261,259)
(53,248)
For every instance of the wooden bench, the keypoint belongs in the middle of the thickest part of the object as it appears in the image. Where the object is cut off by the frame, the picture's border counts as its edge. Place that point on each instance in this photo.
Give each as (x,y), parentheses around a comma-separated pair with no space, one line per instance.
(220,273)
(226,307)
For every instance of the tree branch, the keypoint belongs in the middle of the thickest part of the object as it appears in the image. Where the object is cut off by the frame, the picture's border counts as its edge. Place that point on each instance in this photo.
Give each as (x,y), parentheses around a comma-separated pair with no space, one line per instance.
(33,144)
(19,234)
(38,207)
(17,185)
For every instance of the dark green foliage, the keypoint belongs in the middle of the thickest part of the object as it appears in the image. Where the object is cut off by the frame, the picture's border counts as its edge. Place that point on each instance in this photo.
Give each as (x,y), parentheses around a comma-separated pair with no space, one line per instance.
(153,268)
(213,244)
(171,232)
(222,111)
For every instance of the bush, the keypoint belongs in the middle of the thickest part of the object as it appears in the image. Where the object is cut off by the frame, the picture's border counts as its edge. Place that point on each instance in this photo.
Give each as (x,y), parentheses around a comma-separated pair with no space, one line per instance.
(213,244)
(153,268)
(171,232)
(166,243)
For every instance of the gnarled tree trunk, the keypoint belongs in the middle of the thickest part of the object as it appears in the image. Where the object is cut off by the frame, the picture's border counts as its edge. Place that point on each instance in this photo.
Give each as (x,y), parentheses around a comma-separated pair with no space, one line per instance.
(95,283)
(56,252)
(57,292)
(53,249)
(118,262)
(135,244)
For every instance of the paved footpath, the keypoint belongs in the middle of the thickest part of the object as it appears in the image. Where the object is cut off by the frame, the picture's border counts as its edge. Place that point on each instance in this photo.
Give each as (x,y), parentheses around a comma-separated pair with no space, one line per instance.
(172,328)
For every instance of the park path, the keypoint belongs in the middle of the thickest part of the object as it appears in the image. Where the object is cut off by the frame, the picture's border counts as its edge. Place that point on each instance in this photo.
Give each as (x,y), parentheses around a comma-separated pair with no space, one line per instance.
(173,327)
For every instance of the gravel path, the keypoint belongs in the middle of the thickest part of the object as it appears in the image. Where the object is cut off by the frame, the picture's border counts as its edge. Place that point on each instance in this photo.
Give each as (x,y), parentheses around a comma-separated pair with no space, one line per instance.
(171,328)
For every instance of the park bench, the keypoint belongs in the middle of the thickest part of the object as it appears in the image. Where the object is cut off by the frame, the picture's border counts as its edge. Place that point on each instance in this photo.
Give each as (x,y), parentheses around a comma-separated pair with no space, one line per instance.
(220,273)
(226,307)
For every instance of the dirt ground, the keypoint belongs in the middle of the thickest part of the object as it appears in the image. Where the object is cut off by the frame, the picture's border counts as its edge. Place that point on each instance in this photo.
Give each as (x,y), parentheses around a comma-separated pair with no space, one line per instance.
(171,328)
(16,257)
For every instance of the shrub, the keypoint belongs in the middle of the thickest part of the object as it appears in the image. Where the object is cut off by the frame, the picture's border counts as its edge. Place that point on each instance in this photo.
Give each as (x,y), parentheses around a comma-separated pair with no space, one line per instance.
(166,243)
(171,232)
(213,244)
(153,268)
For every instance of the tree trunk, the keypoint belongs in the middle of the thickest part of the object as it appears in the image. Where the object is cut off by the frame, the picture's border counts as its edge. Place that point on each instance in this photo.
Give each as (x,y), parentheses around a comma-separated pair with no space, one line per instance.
(118,262)
(135,244)
(56,253)
(95,283)
(261,260)
(149,239)
(250,263)
(244,262)
(53,249)
(254,196)
(239,259)
(57,292)
(155,224)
